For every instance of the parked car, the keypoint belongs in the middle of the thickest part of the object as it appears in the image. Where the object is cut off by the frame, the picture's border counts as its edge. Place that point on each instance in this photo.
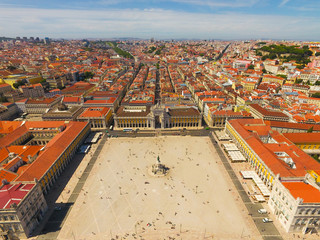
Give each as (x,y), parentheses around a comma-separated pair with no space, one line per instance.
(266,220)
(262,211)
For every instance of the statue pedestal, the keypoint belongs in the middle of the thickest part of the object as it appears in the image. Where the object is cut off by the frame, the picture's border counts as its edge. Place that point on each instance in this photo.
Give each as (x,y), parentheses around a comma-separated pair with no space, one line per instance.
(158,170)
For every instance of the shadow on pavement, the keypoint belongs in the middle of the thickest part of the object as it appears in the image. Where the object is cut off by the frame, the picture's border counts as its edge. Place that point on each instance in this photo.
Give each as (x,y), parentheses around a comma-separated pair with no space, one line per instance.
(56,190)
(56,218)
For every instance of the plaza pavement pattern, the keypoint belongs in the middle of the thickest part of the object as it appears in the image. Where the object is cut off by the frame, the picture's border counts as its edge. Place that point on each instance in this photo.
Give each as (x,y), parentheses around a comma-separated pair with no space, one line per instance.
(118,199)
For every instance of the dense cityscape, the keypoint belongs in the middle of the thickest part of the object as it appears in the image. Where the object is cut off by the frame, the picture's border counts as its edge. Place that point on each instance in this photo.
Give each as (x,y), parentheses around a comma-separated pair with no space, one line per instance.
(102,124)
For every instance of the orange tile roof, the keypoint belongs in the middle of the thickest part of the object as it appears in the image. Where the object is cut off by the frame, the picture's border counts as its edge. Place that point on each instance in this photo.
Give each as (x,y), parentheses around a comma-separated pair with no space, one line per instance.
(8,126)
(11,163)
(72,99)
(95,112)
(41,101)
(302,126)
(266,152)
(303,137)
(52,152)
(308,193)
(14,135)
(267,112)
(262,130)
(7,175)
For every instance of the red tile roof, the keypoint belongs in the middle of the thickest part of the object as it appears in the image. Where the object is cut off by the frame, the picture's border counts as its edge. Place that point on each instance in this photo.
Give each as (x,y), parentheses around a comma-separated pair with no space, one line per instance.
(13,193)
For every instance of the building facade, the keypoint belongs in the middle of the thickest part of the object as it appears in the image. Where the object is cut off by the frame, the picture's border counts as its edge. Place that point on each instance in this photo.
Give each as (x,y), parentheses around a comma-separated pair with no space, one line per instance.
(296,206)
(32,91)
(134,117)
(98,117)
(261,113)
(40,106)
(146,117)
(22,209)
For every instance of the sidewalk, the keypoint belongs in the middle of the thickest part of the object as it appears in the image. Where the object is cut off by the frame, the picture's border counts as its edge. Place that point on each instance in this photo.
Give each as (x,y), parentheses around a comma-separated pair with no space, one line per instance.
(61,194)
(266,230)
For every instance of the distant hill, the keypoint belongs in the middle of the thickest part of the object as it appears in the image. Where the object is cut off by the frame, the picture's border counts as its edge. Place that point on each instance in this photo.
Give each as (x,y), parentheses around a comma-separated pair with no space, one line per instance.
(5,39)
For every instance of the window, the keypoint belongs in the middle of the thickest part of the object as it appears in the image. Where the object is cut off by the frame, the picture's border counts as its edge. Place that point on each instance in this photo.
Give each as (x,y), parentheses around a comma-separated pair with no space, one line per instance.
(12,217)
(16,227)
(5,218)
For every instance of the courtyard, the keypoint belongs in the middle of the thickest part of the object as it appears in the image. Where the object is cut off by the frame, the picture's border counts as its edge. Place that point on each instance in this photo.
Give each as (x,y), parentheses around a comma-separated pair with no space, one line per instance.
(196,200)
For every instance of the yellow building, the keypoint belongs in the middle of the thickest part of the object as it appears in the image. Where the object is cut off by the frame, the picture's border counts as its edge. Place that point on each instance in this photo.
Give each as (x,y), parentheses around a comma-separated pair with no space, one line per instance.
(11,79)
(271,78)
(134,117)
(309,142)
(98,117)
(248,85)
(60,141)
(146,117)
(268,152)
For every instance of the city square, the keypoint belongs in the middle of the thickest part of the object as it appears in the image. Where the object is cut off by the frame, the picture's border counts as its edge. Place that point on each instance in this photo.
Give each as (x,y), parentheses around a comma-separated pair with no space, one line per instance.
(121,199)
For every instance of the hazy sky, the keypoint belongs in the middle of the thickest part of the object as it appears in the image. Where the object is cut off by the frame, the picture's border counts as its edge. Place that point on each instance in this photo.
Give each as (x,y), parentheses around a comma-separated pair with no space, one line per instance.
(162,19)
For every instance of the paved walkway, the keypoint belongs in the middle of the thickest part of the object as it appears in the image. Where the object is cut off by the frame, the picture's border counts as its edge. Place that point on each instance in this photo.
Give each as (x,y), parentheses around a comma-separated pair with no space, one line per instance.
(56,220)
(267,230)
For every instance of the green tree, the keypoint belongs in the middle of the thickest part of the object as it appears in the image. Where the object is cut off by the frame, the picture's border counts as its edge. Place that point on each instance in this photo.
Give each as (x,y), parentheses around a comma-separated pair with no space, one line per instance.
(88,75)
(19,83)
(158,52)
(11,68)
(251,66)
(317,53)
(317,83)
(282,75)
(310,130)
(15,85)
(152,49)
(316,95)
